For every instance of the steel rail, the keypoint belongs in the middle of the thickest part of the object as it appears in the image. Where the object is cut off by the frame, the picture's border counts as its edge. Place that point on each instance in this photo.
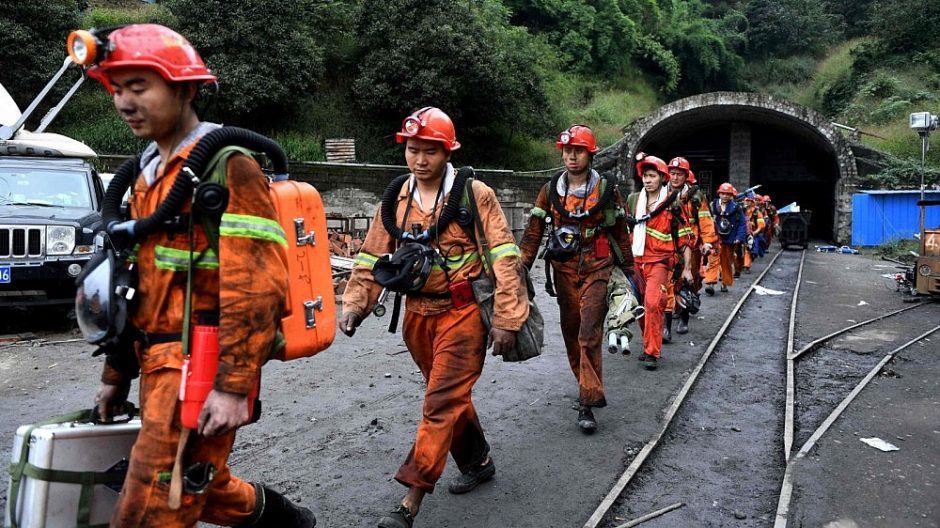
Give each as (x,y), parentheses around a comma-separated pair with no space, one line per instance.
(814,344)
(602,509)
(791,382)
(786,488)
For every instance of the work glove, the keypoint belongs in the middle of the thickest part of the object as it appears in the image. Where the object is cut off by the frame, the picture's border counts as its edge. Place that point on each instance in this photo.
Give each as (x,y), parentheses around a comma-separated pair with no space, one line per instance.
(349,322)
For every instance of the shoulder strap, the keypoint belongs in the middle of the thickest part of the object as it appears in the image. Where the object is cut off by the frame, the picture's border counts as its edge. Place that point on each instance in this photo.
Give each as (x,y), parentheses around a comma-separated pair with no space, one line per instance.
(217,172)
(480,237)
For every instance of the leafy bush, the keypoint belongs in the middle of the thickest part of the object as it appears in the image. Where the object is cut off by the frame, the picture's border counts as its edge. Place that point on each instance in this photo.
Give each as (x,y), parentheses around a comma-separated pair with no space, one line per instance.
(463,58)
(901,174)
(104,17)
(300,146)
(263,51)
(787,27)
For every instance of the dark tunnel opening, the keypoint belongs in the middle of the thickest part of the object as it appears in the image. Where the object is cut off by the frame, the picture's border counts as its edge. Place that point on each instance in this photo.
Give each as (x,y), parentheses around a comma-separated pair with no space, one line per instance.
(790,163)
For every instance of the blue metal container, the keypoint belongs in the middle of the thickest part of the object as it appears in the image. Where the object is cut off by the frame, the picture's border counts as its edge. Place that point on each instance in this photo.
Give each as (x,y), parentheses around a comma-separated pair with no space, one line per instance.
(883,216)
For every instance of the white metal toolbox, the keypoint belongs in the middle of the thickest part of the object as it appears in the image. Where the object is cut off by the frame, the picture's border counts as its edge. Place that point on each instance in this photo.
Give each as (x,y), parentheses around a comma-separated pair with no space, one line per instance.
(70,474)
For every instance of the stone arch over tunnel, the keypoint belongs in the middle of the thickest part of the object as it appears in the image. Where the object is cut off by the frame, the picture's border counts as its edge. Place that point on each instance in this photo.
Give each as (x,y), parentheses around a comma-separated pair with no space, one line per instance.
(793,152)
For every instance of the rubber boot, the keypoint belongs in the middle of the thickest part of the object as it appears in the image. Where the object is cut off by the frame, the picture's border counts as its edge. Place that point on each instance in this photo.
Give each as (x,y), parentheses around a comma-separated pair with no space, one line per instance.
(683,326)
(273,510)
(667,329)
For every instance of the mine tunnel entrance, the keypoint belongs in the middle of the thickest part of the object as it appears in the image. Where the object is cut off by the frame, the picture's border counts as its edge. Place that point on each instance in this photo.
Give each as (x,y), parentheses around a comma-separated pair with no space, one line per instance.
(747,146)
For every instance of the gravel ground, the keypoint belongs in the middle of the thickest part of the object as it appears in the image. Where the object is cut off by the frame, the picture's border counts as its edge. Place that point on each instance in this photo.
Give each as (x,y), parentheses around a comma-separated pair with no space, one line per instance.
(336,427)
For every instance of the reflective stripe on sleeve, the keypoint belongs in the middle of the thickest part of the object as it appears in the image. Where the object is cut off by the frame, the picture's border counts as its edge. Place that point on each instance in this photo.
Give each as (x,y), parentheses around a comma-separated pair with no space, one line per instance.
(508,249)
(248,226)
(366,260)
(658,235)
(172,259)
(456,262)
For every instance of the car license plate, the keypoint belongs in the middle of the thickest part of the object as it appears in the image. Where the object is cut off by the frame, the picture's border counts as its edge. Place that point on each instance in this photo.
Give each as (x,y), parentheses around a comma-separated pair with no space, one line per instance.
(6,275)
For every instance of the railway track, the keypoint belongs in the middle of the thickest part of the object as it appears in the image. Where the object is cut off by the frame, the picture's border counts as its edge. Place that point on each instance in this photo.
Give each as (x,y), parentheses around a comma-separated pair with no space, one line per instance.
(736,433)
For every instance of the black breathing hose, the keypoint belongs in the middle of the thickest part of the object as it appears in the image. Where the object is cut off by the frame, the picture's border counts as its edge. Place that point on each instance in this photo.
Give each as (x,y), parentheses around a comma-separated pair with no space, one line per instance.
(601,202)
(451,208)
(114,195)
(194,166)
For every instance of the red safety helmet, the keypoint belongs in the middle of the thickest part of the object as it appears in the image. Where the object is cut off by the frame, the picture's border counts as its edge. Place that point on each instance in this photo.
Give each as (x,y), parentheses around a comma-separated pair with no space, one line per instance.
(680,163)
(579,136)
(644,160)
(430,124)
(691,178)
(150,46)
(766,198)
(727,188)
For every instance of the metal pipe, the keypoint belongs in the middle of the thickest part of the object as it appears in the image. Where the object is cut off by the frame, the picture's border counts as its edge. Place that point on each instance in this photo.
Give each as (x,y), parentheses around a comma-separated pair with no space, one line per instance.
(7,132)
(54,111)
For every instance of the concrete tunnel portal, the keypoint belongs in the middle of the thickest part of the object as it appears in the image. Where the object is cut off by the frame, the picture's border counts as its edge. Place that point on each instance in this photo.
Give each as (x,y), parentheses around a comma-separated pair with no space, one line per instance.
(794,153)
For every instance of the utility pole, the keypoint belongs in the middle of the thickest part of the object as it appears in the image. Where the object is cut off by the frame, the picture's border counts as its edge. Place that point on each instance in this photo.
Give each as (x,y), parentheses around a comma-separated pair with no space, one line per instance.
(923,123)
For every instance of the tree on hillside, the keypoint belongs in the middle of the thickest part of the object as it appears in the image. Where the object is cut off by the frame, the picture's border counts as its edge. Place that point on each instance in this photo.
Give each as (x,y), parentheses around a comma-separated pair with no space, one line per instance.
(463,58)
(787,27)
(32,44)
(907,26)
(265,52)
(591,35)
(704,47)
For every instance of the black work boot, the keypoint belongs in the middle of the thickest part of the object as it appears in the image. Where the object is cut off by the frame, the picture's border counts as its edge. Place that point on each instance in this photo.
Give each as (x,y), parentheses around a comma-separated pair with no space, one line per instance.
(667,329)
(273,510)
(468,481)
(400,517)
(683,326)
(710,289)
(586,420)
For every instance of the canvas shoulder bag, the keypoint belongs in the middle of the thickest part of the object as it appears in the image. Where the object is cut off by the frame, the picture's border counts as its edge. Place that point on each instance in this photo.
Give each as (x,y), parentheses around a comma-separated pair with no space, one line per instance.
(531,337)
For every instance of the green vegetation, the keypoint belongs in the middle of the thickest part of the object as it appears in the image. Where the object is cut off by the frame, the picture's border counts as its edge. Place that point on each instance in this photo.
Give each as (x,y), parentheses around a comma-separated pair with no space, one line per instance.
(512,73)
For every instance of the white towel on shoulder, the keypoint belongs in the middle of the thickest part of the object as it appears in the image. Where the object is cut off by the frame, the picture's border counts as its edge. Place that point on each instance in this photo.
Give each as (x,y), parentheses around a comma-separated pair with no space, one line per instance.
(639,230)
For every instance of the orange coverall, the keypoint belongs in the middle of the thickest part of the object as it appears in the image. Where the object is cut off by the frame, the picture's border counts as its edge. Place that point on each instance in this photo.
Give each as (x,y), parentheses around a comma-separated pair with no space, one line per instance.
(656,265)
(245,285)
(703,231)
(724,259)
(581,284)
(755,226)
(447,344)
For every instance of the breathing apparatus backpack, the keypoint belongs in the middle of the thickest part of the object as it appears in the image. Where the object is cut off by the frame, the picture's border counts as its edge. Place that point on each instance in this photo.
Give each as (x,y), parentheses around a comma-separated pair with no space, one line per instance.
(406,271)
(564,241)
(308,319)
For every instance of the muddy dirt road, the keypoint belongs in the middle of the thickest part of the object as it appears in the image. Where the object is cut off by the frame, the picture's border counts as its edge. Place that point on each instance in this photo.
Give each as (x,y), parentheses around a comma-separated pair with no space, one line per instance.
(336,427)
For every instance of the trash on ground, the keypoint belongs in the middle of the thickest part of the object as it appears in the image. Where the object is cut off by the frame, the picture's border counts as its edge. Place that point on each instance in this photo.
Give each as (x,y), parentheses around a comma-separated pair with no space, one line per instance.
(760,290)
(880,444)
(862,303)
(836,249)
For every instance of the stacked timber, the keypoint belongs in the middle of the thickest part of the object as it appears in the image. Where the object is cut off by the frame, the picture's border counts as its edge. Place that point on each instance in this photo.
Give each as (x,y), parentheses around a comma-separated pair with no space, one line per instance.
(340,150)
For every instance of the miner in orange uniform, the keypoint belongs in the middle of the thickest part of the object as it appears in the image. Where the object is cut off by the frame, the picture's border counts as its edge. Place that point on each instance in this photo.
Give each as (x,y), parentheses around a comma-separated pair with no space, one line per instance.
(661,243)
(755,226)
(695,208)
(153,74)
(442,326)
(586,239)
(731,227)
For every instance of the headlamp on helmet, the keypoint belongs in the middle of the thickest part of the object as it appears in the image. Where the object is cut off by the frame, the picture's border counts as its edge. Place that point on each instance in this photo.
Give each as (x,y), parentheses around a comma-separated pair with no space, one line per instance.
(83,47)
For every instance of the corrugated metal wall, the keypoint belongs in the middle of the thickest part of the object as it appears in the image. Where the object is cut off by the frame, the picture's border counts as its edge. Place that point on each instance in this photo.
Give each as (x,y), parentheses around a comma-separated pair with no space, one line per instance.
(881,217)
